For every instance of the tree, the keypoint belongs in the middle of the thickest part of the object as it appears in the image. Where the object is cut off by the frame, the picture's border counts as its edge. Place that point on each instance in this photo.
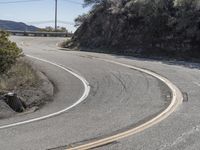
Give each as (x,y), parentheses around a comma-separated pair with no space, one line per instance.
(80,19)
(93,2)
(51,29)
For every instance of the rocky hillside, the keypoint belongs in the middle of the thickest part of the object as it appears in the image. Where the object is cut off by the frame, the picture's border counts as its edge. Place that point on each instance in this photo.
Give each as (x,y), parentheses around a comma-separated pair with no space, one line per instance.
(11,25)
(149,27)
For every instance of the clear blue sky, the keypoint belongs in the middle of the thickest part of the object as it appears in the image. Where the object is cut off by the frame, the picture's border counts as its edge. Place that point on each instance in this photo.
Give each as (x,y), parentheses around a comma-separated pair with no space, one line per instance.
(42,10)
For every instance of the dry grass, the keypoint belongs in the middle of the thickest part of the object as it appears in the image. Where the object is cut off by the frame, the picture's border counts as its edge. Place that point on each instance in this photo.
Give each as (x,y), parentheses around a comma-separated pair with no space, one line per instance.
(19,76)
(65,43)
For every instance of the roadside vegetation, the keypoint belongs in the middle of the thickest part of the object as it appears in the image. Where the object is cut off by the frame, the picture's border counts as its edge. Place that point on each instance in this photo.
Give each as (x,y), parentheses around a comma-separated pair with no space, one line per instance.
(51,29)
(21,86)
(147,28)
(9,52)
(14,72)
(20,76)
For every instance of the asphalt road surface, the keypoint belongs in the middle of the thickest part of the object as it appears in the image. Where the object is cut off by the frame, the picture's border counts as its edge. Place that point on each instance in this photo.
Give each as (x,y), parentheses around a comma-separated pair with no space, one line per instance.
(119,99)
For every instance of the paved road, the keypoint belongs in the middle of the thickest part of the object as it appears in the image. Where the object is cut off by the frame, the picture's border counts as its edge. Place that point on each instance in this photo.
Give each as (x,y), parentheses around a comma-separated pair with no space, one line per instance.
(119,98)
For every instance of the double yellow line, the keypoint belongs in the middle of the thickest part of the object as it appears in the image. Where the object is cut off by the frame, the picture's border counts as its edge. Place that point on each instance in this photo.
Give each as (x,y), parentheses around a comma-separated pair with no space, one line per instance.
(176,100)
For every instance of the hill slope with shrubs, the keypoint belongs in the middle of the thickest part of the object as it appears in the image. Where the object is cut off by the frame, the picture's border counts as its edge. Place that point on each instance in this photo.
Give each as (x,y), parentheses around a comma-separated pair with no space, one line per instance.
(144,27)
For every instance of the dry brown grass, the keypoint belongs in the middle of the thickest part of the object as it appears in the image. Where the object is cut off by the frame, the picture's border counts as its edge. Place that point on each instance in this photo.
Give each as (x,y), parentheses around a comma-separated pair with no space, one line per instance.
(20,75)
(65,43)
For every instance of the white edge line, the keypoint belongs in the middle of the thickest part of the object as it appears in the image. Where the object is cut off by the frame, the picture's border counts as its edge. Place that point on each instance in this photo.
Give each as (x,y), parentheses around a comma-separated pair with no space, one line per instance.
(83,97)
(198,84)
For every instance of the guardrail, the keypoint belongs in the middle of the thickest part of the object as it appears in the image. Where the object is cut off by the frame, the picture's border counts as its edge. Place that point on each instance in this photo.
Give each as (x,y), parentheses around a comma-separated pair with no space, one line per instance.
(39,33)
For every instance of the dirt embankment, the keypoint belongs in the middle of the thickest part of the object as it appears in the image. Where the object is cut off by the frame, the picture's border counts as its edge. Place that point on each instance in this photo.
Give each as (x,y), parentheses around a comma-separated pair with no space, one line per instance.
(32,86)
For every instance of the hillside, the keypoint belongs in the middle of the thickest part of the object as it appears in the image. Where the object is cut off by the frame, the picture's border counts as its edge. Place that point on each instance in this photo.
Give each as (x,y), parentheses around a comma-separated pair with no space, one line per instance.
(11,25)
(141,27)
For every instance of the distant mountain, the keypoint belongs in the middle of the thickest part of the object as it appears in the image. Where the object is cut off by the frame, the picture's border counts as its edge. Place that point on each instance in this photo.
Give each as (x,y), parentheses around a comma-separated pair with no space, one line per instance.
(11,25)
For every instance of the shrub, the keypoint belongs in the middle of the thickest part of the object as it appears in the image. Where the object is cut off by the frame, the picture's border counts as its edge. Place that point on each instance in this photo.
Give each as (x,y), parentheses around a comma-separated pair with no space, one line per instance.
(9,52)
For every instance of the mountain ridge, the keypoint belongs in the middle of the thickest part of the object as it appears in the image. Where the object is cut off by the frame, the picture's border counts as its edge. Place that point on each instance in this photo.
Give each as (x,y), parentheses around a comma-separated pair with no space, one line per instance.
(12,25)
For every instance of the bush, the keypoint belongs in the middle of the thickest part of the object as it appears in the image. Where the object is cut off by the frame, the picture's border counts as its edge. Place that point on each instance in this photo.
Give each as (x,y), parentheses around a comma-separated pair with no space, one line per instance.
(9,52)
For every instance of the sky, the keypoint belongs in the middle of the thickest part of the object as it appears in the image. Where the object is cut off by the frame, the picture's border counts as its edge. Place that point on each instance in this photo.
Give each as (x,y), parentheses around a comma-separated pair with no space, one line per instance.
(36,12)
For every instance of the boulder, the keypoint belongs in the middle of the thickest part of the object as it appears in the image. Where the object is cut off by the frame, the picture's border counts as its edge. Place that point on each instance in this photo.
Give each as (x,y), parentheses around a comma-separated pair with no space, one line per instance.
(5,110)
(16,103)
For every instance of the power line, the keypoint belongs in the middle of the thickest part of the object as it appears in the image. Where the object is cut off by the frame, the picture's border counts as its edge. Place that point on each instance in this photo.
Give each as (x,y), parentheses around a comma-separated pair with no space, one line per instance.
(26,1)
(51,21)
(74,2)
(56,4)
(66,22)
(19,1)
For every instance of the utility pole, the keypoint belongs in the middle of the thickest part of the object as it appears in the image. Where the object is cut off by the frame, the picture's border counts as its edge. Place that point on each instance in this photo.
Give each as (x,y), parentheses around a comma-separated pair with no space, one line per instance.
(56,6)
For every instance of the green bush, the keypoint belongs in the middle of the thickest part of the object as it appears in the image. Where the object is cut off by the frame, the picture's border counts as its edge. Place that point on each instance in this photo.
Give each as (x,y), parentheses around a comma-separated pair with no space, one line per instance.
(9,52)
